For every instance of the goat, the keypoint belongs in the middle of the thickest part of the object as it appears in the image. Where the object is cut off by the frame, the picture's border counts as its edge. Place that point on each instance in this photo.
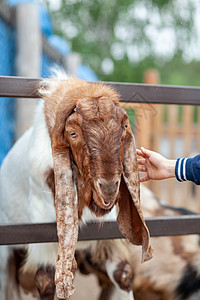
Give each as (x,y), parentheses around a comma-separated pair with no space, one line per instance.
(173,274)
(80,151)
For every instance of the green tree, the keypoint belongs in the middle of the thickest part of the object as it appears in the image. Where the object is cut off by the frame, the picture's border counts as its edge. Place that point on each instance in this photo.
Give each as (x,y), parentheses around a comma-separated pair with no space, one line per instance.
(120,39)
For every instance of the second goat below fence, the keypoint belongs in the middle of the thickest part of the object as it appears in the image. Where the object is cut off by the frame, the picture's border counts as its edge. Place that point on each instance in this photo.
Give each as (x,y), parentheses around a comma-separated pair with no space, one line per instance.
(172,274)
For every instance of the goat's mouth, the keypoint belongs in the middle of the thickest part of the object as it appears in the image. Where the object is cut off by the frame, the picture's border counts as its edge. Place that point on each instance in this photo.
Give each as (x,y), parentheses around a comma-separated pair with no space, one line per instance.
(98,211)
(99,206)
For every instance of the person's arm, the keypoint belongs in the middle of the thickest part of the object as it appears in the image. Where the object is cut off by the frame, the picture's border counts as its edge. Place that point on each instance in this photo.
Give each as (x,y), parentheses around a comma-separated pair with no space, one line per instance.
(155,165)
(158,167)
(188,169)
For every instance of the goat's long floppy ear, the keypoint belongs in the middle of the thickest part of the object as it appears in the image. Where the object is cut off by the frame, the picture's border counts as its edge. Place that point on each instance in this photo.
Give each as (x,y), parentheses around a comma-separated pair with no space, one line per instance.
(66,202)
(60,100)
(58,105)
(130,218)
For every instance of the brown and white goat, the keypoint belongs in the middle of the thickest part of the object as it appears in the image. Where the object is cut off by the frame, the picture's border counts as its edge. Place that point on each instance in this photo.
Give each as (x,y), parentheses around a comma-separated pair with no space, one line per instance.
(81,152)
(173,274)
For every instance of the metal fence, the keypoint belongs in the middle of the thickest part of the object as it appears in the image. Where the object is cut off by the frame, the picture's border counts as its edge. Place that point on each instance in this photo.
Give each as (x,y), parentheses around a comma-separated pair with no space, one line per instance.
(162,226)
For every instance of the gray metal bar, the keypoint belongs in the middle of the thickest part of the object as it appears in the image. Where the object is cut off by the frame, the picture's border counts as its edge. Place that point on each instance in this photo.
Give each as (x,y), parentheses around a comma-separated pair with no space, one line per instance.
(130,92)
(40,233)
(158,94)
(18,87)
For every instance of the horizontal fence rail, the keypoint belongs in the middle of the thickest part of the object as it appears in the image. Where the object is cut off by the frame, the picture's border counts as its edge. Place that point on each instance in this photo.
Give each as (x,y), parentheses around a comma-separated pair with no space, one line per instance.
(18,87)
(43,233)
(130,92)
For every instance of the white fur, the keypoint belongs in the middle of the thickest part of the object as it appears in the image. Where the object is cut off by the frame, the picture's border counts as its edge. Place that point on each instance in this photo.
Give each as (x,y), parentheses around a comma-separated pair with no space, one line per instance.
(22,186)
(88,216)
(41,254)
(50,85)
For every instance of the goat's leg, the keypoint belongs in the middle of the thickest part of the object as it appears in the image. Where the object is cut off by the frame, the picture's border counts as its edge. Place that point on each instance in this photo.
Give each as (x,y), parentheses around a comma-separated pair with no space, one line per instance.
(3,271)
(9,288)
(120,273)
(41,258)
(44,280)
(40,261)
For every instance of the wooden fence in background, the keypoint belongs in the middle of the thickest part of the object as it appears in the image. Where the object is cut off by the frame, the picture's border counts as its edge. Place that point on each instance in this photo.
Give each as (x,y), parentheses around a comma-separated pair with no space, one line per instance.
(173,138)
(173,131)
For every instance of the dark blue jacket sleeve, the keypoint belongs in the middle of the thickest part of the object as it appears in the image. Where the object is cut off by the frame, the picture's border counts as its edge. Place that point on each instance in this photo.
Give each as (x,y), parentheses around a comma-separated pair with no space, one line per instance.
(188,169)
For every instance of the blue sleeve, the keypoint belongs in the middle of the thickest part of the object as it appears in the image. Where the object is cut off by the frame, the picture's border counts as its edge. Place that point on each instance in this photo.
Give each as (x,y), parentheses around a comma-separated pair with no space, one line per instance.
(188,169)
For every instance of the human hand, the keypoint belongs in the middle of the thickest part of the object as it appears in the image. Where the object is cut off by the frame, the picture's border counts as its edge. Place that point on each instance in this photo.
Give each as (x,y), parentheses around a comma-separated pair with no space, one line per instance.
(155,165)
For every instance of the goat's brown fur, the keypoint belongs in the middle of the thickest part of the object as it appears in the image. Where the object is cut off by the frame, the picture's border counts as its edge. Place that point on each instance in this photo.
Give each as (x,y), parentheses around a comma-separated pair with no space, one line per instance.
(123,275)
(44,279)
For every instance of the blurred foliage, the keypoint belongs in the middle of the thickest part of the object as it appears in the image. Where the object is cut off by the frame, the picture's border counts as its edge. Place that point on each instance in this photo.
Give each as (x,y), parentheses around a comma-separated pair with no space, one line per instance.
(121,36)
(131,114)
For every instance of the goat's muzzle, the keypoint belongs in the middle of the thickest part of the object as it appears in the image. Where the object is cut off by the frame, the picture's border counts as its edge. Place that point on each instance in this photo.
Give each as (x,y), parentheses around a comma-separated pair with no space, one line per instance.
(106,192)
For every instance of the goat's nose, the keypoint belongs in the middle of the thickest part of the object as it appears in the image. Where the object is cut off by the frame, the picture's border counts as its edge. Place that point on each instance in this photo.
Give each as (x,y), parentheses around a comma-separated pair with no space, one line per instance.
(108,187)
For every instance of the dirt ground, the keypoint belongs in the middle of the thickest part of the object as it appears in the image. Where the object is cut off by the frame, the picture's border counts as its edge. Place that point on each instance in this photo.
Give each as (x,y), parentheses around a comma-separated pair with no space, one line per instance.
(87,288)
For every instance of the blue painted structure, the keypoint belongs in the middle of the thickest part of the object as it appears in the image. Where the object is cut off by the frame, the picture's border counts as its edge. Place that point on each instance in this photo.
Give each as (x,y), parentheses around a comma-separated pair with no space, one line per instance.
(7,106)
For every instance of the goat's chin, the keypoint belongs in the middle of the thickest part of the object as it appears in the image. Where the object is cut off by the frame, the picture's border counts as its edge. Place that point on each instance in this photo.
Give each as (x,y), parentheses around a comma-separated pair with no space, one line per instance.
(98,211)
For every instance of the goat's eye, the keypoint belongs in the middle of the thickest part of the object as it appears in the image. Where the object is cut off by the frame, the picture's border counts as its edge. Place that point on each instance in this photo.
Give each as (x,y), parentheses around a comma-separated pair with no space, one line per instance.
(73,134)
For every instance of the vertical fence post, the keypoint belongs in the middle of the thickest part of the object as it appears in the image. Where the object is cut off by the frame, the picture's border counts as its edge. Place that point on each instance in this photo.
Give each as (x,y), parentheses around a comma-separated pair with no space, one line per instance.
(146,123)
(152,76)
(28,62)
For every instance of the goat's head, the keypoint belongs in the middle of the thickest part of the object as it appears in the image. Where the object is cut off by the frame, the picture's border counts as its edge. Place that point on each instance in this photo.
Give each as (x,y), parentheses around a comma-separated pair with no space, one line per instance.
(94,133)
(86,121)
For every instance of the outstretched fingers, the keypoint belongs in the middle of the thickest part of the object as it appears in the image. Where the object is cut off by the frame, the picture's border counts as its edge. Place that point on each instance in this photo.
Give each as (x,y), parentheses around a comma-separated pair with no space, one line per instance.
(141,161)
(145,153)
(144,178)
(140,153)
(142,169)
